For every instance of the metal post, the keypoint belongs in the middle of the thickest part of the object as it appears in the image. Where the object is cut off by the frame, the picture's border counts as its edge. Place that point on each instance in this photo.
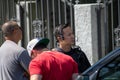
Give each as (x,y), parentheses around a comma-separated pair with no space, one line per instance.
(2,6)
(113,42)
(65,11)
(0,13)
(42,16)
(13,9)
(71,14)
(53,6)
(8,10)
(48,21)
(31,29)
(118,12)
(13,12)
(59,11)
(106,26)
(48,17)
(36,7)
(98,10)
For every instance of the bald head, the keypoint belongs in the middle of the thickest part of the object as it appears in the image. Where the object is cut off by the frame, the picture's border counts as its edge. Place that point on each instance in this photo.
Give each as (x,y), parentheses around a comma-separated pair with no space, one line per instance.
(12,31)
(8,27)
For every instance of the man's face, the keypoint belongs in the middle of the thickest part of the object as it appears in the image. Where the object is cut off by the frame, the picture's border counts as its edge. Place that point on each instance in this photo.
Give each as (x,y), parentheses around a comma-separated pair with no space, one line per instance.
(18,32)
(68,36)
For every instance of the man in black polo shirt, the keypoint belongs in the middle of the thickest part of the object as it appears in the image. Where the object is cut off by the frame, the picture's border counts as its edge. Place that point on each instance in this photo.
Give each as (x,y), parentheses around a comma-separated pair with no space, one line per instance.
(65,38)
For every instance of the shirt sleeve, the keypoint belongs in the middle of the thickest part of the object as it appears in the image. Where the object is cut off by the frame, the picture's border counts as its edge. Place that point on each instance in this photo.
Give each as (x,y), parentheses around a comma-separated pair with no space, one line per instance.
(24,59)
(75,67)
(85,59)
(83,63)
(35,67)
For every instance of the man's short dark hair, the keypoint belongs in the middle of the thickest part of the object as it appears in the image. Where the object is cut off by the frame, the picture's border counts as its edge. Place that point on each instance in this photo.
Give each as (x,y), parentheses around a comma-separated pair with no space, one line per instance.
(40,46)
(59,30)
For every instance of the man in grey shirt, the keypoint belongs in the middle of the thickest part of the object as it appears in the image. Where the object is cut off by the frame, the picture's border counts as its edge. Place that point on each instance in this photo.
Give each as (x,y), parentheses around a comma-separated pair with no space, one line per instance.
(14,60)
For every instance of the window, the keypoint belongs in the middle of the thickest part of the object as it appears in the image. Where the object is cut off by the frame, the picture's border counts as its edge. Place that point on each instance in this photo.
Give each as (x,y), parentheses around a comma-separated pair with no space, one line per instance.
(111,71)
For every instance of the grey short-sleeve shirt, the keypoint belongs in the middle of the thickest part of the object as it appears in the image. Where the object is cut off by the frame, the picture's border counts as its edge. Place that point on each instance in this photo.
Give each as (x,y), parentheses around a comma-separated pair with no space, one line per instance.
(14,61)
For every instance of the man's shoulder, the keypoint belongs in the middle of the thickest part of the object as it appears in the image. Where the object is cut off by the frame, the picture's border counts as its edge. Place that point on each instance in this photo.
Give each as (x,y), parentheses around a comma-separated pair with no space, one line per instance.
(57,49)
(77,49)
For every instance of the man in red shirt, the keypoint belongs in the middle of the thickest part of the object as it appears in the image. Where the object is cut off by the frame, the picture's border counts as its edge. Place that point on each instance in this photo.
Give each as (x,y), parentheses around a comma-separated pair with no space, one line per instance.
(50,65)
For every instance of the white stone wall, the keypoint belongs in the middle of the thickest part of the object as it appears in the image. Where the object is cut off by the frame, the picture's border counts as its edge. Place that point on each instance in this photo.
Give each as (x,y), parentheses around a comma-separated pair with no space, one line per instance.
(86,30)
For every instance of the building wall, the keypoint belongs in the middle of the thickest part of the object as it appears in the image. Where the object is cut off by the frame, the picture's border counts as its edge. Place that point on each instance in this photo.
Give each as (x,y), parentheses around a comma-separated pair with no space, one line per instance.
(88,35)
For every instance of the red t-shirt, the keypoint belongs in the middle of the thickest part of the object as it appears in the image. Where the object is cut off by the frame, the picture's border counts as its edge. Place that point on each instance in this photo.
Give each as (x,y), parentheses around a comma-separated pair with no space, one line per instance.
(53,65)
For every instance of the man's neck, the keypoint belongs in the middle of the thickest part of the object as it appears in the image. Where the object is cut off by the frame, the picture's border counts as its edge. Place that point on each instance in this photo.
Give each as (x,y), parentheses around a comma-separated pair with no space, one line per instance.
(11,39)
(65,48)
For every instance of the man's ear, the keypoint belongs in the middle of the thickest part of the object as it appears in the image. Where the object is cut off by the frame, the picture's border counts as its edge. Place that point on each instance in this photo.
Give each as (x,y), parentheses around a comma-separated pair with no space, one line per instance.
(59,38)
(33,54)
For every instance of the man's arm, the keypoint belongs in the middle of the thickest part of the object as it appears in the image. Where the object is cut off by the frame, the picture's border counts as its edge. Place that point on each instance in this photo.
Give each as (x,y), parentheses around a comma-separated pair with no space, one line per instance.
(36,77)
(24,60)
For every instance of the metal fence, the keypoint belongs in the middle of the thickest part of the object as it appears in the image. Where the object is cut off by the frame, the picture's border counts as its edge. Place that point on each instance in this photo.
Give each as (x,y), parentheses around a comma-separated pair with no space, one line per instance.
(111,24)
(39,18)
